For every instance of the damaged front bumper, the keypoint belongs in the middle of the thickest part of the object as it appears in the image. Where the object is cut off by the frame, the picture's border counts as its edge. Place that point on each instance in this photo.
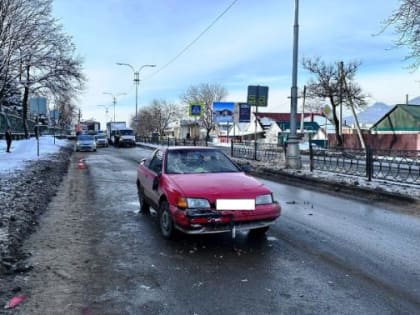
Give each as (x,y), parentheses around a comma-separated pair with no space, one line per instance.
(196,221)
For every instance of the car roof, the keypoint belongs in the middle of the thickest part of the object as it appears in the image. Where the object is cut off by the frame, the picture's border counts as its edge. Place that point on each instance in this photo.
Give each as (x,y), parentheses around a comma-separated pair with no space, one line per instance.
(192,148)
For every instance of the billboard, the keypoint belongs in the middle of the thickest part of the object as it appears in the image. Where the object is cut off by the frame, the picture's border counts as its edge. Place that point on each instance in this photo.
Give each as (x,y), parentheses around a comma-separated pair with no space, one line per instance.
(223,112)
(196,109)
(244,112)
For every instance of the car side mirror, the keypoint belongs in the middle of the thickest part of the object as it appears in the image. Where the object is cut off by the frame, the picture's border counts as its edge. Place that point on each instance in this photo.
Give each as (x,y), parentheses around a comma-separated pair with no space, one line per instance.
(156,182)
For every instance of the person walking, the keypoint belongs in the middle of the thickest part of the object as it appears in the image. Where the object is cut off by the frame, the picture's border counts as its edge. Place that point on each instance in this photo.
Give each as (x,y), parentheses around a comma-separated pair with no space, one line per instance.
(8,136)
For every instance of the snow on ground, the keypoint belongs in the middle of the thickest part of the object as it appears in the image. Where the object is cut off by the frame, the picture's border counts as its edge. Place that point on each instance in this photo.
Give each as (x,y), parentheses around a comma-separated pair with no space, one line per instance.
(24,151)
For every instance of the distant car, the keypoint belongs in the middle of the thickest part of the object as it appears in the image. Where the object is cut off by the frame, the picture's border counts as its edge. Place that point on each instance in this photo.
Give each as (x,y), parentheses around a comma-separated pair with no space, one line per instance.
(199,190)
(101,140)
(85,143)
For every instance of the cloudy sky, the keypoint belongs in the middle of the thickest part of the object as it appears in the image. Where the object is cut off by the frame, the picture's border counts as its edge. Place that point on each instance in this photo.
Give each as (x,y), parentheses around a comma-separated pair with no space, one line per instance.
(250,44)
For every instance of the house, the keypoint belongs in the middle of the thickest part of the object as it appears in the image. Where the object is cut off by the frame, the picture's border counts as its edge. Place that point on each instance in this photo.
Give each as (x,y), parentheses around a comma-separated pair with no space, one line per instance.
(278,132)
(399,129)
(186,129)
(277,126)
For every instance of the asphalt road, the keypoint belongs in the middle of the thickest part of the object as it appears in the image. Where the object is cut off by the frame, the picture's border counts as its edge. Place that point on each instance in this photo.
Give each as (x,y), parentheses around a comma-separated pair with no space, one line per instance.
(94,254)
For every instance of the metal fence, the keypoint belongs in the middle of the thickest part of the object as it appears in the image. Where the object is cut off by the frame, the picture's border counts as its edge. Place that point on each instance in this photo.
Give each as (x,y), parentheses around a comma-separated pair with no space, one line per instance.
(392,165)
(257,151)
(171,141)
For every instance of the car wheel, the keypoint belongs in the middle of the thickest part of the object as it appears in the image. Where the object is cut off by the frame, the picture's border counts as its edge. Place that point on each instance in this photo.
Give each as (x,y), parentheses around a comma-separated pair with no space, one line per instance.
(144,207)
(259,231)
(165,221)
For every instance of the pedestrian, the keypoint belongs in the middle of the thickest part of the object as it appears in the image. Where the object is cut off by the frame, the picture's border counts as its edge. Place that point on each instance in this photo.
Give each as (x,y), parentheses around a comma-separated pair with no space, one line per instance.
(8,136)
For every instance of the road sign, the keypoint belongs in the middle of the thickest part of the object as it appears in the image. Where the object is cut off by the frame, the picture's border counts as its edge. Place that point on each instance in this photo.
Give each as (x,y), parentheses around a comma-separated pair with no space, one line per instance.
(257,95)
(196,109)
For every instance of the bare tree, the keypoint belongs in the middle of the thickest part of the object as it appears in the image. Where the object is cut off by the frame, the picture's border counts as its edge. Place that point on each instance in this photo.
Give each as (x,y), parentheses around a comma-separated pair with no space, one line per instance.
(335,84)
(35,51)
(67,110)
(12,30)
(49,67)
(163,114)
(144,126)
(405,20)
(156,117)
(207,94)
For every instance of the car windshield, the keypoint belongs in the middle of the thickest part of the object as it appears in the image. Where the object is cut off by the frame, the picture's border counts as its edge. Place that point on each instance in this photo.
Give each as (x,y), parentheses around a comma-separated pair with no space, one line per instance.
(190,161)
(126,132)
(85,138)
(101,136)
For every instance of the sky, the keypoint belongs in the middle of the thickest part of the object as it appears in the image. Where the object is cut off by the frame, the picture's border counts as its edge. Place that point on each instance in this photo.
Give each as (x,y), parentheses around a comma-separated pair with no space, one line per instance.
(250,44)
(28,150)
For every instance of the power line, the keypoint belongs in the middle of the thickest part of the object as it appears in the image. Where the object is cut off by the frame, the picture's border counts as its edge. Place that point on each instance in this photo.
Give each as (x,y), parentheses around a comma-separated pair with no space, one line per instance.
(194,40)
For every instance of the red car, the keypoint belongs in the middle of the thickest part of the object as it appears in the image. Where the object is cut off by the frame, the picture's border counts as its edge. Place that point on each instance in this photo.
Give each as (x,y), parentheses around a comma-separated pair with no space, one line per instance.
(199,190)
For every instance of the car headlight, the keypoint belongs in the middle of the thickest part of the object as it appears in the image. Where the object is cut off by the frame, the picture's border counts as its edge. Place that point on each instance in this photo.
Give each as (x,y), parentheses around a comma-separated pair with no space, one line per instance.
(264,199)
(197,203)
(193,203)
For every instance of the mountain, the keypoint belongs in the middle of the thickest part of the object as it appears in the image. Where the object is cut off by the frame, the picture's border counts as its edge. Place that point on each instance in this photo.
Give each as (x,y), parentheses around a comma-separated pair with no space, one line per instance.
(370,114)
(415,101)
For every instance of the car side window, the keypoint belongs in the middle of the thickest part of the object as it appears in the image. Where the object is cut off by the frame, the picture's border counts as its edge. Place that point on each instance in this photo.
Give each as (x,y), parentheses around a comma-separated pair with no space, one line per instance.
(156,162)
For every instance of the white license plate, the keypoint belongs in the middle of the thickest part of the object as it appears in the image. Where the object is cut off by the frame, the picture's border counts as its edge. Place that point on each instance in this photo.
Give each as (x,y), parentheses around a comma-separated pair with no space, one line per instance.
(235,204)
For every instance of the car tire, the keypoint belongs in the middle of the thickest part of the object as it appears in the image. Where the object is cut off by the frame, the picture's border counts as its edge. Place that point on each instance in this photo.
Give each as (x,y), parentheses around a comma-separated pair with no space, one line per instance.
(166,223)
(144,206)
(259,231)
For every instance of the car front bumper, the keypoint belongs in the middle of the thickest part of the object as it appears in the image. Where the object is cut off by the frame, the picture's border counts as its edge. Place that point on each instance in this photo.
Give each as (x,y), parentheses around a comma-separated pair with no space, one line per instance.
(212,221)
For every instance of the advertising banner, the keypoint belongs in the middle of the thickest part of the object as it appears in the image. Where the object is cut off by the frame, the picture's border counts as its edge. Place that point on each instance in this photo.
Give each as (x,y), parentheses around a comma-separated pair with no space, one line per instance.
(223,112)
(244,112)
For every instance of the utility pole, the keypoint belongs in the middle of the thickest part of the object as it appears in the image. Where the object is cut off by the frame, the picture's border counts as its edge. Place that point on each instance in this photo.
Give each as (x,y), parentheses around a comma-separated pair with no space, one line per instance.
(341,78)
(114,99)
(293,158)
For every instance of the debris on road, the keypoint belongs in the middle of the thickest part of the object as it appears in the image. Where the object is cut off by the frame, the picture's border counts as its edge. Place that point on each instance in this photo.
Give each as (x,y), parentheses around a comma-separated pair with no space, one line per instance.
(15,301)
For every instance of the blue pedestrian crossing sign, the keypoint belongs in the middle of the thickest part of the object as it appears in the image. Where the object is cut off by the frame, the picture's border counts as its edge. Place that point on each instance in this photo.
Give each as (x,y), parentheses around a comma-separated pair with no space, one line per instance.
(196,109)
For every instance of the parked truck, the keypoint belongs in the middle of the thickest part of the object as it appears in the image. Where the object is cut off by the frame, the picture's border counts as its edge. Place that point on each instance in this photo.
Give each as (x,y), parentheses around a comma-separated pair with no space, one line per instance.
(126,137)
(111,128)
(119,134)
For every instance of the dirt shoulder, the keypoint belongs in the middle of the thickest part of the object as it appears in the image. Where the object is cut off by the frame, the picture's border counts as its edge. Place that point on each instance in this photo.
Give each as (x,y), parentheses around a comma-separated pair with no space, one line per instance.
(25,195)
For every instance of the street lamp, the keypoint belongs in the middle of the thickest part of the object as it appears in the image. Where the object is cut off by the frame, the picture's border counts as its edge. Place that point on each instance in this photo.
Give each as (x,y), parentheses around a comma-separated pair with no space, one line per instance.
(293,158)
(136,78)
(114,99)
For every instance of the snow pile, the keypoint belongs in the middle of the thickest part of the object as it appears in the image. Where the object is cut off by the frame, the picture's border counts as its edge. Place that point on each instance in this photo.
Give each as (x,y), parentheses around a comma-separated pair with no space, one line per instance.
(24,151)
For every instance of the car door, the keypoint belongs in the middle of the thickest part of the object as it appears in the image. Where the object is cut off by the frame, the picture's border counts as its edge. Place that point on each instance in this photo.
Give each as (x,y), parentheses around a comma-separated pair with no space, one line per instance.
(149,172)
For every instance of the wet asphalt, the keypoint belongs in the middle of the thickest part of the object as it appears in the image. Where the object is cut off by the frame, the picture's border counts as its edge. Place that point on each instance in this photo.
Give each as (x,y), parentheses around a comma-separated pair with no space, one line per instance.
(325,255)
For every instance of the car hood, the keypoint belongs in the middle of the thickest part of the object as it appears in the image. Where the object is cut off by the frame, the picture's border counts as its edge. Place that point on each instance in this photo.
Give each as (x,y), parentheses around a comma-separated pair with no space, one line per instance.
(218,185)
(85,142)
